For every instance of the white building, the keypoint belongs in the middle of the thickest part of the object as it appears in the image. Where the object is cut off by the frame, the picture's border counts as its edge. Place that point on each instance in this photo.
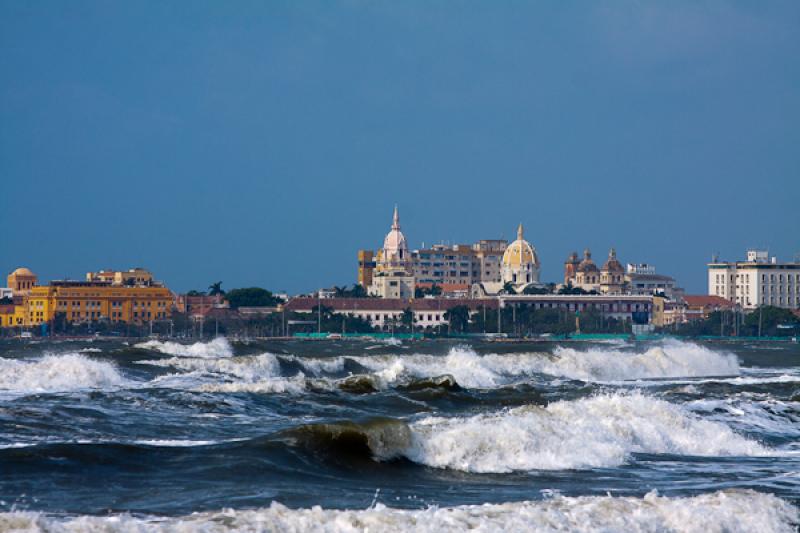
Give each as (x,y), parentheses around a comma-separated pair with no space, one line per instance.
(759,280)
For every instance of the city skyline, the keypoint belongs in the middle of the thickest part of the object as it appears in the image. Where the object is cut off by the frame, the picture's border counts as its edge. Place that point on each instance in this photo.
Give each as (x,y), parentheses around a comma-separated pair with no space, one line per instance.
(266,148)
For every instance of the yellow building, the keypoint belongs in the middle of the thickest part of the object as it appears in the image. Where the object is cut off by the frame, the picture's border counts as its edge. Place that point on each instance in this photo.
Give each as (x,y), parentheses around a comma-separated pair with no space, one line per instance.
(121,298)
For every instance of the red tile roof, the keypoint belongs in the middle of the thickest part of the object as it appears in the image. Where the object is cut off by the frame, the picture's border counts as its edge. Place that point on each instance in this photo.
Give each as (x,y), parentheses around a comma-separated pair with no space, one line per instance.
(707,301)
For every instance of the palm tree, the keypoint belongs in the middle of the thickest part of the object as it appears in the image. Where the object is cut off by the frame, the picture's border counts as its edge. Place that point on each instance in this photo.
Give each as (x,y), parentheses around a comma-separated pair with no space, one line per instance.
(215,288)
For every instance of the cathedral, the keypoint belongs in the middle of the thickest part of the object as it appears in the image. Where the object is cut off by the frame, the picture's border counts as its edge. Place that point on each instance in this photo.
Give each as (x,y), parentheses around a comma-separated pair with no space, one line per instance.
(393,275)
(609,279)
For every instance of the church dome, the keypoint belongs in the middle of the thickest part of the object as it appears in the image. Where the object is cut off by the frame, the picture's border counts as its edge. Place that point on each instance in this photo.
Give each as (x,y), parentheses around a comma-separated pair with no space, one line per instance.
(612,264)
(395,247)
(520,252)
(587,265)
(23,272)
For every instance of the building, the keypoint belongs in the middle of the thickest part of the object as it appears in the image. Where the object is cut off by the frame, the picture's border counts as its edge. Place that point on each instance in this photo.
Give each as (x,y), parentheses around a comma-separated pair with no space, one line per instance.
(366,267)
(386,313)
(759,280)
(634,309)
(134,276)
(441,264)
(21,281)
(88,301)
(586,274)
(459,264)
(637,279)
(519,269)
(393,275)
(612,275)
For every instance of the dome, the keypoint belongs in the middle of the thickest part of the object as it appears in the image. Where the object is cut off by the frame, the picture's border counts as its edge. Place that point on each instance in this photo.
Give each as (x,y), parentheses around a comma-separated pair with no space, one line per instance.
(520,252)
(395,247)
(612,264)
(22,271)
(587,265)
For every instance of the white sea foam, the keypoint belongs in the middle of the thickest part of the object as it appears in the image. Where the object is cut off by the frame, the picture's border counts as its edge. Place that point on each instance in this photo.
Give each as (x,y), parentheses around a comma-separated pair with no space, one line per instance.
(293,385)
(219,347)
(669,359)
(600,431)
(724,511)
(58,373)
(249,367)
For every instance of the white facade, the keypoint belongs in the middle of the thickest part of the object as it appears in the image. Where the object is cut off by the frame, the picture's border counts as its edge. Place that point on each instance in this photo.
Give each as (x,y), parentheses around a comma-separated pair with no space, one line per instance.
(758,281)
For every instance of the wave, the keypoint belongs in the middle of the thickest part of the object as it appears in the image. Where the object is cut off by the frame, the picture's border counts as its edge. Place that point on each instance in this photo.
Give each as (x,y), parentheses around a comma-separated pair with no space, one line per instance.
(250,367)
(219,347)
(731,511)
(294,385)
(58,373)
(670,359)
(600,431)
(379,438)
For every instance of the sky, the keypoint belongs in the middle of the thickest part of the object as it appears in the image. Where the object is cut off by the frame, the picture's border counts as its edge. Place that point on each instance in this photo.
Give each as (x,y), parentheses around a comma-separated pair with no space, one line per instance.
(264,143)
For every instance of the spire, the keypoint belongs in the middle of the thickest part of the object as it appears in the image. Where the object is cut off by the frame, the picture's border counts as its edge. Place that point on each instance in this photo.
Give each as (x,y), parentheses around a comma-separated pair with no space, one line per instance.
(396,218)
(612,254)
(519,232)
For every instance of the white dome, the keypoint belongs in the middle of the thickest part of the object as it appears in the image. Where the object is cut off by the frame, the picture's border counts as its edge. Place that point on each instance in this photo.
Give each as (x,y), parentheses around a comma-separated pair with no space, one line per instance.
(395,248)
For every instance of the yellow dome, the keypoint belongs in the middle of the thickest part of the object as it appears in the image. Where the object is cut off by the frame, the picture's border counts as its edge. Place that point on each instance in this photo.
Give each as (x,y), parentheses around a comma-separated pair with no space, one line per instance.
(520,252)
(22,272)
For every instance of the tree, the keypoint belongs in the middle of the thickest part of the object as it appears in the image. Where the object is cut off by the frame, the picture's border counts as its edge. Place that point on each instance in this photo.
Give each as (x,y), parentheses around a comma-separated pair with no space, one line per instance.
(458,317)
(251,297)
(775,322)
(422,292)
(508,288)
(195,293)
(532,289)
(215,289)
(407,319)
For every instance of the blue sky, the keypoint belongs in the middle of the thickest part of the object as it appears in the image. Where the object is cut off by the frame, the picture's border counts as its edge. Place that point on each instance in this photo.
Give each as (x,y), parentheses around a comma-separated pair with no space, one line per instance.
(264,143)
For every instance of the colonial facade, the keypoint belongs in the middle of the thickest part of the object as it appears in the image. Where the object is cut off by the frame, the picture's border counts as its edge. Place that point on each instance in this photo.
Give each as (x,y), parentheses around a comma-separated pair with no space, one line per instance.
(107,297)
(759,280)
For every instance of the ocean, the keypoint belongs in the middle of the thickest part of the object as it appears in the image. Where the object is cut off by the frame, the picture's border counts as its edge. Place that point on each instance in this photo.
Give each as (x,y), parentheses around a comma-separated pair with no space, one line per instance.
(423,436)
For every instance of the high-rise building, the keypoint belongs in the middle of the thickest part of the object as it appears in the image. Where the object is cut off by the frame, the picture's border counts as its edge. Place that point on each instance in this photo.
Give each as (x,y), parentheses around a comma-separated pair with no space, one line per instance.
(759,280)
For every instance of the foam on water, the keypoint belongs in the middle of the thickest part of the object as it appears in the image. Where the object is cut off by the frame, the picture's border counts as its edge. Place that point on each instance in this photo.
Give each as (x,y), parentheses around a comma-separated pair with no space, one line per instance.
(57,373)
(600,431)
(293,385)
(723,511)
(219,347)
(671,358)
(250,367)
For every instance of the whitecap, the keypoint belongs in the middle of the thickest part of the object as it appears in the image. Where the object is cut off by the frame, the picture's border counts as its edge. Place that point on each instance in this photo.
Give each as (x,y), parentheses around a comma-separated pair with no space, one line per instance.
(58,373)
(599,431)
(219,347)
(733,511)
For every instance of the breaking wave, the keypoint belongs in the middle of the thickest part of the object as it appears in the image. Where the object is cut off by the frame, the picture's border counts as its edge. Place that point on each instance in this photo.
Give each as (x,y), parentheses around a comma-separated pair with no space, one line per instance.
(219,347)
(57,373)
(469,369)
(671,359)
(251,367)
(730,511)
(600,431)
